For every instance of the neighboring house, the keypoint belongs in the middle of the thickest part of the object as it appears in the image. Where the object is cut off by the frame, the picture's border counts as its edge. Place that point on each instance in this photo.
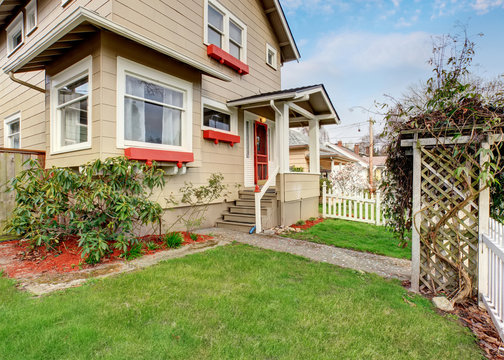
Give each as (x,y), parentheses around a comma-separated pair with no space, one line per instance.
(193,85)
(299,154)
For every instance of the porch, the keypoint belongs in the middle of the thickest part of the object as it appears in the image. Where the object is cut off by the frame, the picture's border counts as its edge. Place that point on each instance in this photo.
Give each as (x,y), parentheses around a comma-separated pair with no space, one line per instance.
(267,119)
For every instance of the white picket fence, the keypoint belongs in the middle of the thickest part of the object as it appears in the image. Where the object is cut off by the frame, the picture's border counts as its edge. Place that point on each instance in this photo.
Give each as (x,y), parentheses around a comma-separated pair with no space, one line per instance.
(491,260)
(361,207)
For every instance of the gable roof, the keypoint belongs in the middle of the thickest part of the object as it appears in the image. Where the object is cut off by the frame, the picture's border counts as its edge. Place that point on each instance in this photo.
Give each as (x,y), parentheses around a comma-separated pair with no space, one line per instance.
(298,139)
(276,16)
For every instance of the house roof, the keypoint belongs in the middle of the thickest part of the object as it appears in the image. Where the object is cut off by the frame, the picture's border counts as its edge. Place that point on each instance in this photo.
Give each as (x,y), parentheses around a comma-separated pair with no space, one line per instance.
(298,139)
(73,29)
(276,16)
(379,160)
(311,99)
(9,9)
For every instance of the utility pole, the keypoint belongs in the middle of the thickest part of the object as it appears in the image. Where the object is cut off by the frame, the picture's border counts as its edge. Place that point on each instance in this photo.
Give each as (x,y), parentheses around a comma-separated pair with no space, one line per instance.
(371,145)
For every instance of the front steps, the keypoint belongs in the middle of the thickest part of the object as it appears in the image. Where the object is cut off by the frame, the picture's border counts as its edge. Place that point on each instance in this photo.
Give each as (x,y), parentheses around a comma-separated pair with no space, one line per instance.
(241,215)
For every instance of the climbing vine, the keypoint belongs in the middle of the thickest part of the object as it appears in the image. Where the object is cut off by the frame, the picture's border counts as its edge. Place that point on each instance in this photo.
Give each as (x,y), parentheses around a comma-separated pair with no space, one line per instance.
(461,114)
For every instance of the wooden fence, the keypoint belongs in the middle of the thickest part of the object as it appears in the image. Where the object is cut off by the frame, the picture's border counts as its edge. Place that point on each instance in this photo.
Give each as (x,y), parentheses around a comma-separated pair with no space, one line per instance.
(11,164)
(361,207)
(491,259)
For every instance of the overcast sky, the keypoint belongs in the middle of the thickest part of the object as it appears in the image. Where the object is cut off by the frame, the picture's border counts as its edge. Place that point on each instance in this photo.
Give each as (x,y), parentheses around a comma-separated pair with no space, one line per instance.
(361,50)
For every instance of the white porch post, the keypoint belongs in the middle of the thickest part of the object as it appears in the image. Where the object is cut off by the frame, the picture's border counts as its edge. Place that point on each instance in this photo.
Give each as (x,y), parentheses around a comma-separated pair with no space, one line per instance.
(332,166)
(282,134)
(314,133)
(415,245)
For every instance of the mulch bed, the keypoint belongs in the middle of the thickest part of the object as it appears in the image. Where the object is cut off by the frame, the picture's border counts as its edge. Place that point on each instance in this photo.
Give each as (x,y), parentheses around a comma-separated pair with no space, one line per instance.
(19,261)
(308,224)
(479,321)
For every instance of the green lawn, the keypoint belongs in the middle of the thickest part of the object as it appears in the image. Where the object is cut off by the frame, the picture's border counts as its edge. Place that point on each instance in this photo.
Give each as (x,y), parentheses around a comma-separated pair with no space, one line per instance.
(234,302)
(355,235)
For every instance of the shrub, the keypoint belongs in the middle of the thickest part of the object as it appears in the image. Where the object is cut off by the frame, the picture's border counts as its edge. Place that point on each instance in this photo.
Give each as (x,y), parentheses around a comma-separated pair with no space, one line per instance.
(312,218)
(134,252)
(193,236)
(151,245)
(295,168)
(173,240)
(102,204)
(300,222)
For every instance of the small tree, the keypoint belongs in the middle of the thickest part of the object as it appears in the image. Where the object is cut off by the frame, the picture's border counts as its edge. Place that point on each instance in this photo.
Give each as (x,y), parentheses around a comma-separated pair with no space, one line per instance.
(349,179)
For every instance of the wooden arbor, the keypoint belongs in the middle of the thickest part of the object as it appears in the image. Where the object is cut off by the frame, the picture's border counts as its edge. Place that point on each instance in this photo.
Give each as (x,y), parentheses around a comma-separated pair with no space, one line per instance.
(436,192)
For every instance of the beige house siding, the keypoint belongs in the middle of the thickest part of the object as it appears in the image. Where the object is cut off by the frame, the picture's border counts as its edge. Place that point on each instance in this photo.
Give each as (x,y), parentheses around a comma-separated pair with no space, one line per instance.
(297,158)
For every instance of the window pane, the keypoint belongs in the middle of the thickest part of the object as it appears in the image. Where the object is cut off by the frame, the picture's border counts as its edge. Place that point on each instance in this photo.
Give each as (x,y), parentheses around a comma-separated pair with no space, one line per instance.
(215,18)
(271,57)
(17,39)
(216,119)
(15,142)
(235,32)
(73,91)
(14,127)
(234,50)
(74,121)
(31,20)
(149,91)
(151,123)
(214,37)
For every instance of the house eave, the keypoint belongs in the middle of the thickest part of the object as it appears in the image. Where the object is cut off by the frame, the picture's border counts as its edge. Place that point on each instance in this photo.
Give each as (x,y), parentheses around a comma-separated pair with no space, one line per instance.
(82,15)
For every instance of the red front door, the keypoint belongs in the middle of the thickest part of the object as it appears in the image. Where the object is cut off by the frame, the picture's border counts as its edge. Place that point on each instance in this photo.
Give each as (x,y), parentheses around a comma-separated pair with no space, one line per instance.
(260,153)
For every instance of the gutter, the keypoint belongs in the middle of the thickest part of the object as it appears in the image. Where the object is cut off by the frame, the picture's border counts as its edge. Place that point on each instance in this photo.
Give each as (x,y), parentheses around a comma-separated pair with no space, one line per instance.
(24,83)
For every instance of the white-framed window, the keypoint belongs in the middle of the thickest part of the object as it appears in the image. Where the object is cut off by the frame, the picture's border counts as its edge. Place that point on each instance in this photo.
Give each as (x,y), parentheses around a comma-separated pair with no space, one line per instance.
(225,30)
(12,131)
(31,16)
(217,116)
(271,56)
(15,34)
(71,108)
(154,109)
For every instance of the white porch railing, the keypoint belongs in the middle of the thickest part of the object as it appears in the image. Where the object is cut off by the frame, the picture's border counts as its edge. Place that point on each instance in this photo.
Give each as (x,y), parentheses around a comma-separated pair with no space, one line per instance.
(491,259)
(258,196)
(361,207)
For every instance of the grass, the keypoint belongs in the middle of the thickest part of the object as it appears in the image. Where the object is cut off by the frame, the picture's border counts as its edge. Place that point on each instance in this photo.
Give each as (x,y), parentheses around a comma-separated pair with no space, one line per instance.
(356,236)
(234,302)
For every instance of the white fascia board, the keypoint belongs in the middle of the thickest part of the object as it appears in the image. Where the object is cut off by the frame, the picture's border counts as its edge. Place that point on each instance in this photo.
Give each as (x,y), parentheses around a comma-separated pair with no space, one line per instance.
(287,29)
(81,15)
(260,99)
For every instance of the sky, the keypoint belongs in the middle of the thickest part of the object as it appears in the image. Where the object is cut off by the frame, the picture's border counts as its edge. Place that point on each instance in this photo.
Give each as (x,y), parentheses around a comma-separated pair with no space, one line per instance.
(366,51)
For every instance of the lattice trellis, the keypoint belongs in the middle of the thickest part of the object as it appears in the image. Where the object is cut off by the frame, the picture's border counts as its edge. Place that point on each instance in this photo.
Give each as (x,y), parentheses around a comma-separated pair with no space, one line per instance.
(458,239)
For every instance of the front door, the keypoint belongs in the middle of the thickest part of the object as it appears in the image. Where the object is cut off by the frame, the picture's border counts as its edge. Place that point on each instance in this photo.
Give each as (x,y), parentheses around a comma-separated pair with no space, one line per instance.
(260,153)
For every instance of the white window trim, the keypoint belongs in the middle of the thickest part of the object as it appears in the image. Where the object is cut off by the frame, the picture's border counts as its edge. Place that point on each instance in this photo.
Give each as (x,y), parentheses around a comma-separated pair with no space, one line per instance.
(271,48)
(227,16)
(32,6)
(74,72)
(124,67)
(64,2)
(18,22)
(7,121)
(215,105)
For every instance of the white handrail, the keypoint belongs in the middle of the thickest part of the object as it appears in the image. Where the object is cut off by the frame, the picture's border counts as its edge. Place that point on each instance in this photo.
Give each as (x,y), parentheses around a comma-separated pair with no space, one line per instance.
(258,197)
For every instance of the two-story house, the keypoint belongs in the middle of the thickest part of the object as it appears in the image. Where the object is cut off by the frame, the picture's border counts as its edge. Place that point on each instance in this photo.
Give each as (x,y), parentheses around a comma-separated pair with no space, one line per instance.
(193,85)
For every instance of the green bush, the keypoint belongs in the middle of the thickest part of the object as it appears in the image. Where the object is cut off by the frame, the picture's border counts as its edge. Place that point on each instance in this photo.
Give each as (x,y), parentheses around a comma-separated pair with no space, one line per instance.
(102,204)
(295,168)
(173,240)
(134,252)
(193,236)
(300,222)
(151,245)
(312,218)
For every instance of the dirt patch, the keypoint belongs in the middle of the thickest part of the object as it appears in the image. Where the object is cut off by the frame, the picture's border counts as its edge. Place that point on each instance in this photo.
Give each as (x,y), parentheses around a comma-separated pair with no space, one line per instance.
(44,271)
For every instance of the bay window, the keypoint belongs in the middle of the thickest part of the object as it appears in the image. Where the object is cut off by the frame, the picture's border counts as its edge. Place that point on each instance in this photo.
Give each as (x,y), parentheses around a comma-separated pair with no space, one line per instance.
(154,108)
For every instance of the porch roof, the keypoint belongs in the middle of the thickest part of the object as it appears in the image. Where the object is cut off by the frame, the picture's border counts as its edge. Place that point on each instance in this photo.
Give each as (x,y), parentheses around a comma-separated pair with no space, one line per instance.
(75,28)
(305,102)
(8,9)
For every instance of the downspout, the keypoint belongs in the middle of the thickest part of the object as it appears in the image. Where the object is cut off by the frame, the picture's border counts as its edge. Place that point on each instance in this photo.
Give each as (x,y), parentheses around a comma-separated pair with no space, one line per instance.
(24,83)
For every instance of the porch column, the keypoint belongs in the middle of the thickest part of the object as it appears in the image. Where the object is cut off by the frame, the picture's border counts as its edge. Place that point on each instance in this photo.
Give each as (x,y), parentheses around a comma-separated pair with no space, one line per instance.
(314,133)
(282,135)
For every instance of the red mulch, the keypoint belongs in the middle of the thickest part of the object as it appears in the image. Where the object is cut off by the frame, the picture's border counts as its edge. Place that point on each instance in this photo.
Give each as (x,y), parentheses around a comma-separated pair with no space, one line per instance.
(480,323)
(308,224)
(20,261)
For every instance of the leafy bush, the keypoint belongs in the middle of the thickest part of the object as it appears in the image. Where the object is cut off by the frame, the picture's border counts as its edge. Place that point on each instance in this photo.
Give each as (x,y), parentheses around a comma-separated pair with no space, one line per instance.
(173,240)
(193,236)
(151,245)
(300,222)
(312,218)
(134,252)
(295,168)
(102,204)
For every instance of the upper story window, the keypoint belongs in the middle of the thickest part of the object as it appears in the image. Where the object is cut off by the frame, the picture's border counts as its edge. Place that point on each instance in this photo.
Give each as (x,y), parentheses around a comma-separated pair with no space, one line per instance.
(12,131)
(225,30)
(154,109)
(71,108)
(271,56)
(15,34)
(31,16)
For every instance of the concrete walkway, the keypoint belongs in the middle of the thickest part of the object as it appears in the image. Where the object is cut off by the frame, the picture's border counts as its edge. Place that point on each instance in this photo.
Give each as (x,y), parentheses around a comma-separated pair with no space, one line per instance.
(384,266)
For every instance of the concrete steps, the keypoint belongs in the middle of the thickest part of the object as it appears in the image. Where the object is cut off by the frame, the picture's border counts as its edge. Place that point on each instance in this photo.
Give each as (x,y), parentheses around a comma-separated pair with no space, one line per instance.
(241,215)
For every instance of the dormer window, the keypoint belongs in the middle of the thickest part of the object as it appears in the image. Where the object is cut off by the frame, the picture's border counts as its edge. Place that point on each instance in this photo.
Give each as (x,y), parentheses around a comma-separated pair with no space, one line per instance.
(225,30)
(31,16)
(15,34)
